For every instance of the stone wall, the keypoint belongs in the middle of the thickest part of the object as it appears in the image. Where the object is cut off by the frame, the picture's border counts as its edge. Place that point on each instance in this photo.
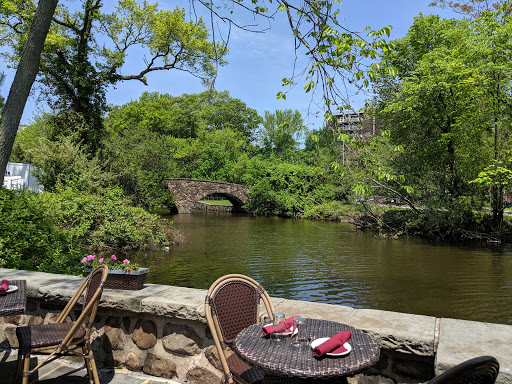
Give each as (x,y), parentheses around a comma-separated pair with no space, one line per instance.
(162,331)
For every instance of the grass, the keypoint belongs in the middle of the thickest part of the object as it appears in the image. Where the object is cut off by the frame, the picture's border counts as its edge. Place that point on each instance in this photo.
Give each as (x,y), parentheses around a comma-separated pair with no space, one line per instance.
(217,202)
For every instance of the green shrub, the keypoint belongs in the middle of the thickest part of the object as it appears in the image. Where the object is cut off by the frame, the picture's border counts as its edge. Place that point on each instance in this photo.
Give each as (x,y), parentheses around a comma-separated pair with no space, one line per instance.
(63,164)
(292,190)
(101,223)
(50,232)
(29,237)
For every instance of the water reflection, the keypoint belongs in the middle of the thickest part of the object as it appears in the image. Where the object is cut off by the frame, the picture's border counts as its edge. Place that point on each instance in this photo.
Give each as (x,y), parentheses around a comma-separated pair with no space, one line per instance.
(332,263)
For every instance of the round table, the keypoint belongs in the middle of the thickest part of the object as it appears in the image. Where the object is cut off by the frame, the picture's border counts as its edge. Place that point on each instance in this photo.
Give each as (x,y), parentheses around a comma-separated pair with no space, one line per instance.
(279,358)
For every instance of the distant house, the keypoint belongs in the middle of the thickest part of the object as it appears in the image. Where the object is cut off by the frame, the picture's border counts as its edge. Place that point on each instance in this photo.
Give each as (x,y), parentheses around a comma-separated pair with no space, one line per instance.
(21,128)
(19,176)
(356,123)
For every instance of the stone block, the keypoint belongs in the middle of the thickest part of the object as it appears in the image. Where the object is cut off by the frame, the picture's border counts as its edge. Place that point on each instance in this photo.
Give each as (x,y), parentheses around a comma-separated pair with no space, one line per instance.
(160,366)
(133,362)
(37,282)
(10,335)
(144,334)
(200,375)
(113,339)
(400,332)
(461,340)
(130,300)
(212,356)
(178,302)
(181,339)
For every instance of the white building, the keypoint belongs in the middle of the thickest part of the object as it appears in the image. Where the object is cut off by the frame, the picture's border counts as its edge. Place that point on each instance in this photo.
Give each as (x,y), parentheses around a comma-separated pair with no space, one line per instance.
(19,176)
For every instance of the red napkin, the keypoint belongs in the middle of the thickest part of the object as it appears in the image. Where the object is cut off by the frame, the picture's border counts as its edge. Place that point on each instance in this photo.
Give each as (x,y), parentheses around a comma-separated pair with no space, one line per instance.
(333,345)
(286,326)
(4,286)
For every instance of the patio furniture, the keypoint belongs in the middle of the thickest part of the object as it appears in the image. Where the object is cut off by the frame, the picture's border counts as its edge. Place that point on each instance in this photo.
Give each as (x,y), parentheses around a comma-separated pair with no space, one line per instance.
(232,304)
(14,303)
(480,370)
(280,360)
(63,338)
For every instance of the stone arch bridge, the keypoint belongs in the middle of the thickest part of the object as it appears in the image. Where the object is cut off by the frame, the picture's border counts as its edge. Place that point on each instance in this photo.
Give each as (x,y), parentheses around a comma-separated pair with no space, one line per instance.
(188,192)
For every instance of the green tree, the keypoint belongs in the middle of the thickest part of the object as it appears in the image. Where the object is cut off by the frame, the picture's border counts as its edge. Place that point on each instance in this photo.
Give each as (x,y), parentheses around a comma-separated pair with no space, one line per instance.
(292,190)
(86,49)
(185,116)
(448,108)
(280,132)
(426,104)
(26,73)
(140,160)
(63,164)
(492,39)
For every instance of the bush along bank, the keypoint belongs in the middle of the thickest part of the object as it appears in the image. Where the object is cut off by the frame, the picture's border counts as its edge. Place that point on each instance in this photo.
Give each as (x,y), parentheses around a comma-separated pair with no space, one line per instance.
(48,232)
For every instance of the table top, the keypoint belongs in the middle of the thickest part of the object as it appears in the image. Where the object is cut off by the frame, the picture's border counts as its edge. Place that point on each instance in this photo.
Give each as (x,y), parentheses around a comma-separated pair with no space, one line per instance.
(14,303)
(280,358)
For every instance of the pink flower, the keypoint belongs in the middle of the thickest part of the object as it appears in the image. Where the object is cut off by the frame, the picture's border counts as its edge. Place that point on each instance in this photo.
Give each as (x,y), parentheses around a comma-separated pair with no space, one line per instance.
(126,261)
(84,260)
(91,257)
(113,257)
(101,260)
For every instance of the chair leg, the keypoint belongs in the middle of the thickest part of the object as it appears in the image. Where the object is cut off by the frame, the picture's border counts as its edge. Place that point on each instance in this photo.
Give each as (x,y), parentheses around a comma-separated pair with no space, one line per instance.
(19,368)
(26,368)
(90,357)
(85,353)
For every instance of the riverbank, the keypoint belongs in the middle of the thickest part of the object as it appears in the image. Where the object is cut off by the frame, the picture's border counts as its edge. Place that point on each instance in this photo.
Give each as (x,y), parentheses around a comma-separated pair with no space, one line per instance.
(162,331)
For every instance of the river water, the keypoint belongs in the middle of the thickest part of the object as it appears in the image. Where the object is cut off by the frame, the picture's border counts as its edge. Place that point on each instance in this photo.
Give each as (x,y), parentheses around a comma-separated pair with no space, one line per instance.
(333,263)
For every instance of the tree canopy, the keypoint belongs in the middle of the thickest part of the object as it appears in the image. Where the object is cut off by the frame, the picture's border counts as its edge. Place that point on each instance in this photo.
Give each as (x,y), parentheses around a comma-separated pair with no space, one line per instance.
(448,107)
(86,49)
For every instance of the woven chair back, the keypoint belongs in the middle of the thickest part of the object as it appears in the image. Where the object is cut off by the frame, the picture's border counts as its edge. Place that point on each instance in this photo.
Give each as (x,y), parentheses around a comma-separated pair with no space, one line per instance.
(231,305)
(94,280)
(236,305)
(480,370)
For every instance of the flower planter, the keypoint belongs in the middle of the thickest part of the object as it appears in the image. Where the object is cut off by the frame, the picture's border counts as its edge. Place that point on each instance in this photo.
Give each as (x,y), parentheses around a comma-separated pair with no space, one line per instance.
(118,279)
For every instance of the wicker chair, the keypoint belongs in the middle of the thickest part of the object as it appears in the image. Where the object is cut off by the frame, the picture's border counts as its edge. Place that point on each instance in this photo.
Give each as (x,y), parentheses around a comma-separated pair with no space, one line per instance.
(232,304)
(480,370)
(62,338)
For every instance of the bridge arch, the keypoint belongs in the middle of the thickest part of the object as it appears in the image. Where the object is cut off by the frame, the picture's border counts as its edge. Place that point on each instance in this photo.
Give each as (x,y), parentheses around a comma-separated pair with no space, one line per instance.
(189,191)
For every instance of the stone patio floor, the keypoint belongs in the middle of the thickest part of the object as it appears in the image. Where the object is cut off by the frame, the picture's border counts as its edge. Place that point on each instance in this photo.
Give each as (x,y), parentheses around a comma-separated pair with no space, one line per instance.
(65,372)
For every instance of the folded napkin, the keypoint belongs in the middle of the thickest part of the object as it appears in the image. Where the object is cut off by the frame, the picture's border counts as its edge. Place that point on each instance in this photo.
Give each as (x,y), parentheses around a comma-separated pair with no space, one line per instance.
(4,286)
(286,326)
(333,345)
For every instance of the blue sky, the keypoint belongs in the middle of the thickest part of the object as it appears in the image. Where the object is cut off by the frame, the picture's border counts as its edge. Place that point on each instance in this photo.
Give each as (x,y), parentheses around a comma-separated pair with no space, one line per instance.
(258,62)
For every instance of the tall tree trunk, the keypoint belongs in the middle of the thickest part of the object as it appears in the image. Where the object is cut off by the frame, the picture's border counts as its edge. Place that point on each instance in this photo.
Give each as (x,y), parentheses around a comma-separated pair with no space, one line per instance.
(23,80)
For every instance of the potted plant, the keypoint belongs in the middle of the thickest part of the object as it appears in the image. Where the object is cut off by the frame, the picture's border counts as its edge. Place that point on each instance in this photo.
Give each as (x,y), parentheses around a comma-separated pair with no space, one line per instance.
(121,274)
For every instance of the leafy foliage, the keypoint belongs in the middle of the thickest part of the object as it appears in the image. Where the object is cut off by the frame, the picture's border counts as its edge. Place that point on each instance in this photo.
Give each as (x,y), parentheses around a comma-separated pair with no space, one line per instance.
(185,116)
(106,222)
(160,136)
(447,109)
(290,190)
(280,132)
(30,238)
(77,66)
(62,165)
(49,232)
